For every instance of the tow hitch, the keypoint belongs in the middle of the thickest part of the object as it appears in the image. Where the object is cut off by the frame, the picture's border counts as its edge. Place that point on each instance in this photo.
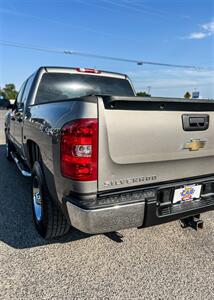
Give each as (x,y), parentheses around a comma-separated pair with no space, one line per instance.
(195,222)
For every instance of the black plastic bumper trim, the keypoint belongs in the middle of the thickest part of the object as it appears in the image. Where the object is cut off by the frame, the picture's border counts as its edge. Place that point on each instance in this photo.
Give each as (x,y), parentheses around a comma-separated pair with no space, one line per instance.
(177,212)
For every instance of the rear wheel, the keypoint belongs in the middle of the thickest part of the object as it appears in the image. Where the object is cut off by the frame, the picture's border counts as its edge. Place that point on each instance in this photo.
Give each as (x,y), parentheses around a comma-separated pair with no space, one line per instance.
(49,220)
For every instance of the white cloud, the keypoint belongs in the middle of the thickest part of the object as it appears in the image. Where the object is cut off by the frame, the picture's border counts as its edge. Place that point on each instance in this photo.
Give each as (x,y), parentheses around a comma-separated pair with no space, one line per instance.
(174,82)
(207,29)
(197,35)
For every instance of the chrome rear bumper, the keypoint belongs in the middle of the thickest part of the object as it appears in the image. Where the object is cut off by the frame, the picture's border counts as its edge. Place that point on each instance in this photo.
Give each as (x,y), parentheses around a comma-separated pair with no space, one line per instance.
(106,219)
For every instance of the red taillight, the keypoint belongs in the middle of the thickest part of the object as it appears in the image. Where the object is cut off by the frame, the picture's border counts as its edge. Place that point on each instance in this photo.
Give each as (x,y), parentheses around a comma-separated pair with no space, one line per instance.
(87,70)
(79,150)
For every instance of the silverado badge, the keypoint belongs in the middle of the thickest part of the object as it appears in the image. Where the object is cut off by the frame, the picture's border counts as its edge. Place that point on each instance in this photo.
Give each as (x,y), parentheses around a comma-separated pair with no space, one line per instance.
(194,145)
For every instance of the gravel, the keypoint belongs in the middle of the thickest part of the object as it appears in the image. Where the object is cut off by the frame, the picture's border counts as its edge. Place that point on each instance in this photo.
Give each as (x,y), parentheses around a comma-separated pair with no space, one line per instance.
(163,262)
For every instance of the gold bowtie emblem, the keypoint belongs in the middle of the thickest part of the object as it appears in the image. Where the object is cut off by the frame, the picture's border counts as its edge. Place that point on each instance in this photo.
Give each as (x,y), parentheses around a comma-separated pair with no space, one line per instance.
(194,145)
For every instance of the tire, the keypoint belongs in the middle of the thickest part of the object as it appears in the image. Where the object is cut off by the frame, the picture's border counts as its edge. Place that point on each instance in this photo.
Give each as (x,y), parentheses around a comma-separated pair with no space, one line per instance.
(9,148)
(48,219)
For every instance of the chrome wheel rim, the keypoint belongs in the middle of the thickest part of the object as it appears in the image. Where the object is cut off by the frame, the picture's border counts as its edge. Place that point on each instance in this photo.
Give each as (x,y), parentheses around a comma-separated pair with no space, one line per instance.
(37,200)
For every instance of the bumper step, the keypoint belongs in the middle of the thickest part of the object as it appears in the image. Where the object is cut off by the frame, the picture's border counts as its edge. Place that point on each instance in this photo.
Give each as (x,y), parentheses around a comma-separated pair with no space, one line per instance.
(196,204)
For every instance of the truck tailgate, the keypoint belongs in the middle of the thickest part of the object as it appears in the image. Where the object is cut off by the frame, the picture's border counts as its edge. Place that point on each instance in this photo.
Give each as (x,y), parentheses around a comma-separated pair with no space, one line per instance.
(143,141)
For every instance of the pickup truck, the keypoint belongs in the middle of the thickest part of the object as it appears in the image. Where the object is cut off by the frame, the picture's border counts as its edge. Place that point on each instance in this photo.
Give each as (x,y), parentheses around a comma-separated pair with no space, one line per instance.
(102,159)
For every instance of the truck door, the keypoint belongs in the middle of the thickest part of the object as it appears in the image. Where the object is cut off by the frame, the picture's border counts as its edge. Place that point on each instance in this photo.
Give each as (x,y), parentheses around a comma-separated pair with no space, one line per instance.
(14,113)
(19,115)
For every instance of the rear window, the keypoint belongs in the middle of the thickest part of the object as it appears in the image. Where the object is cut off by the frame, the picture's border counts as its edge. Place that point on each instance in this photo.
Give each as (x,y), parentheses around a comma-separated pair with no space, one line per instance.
(60,86)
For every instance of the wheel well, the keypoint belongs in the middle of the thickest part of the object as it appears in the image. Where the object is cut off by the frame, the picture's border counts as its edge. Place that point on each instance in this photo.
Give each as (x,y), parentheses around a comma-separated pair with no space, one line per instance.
(34,153)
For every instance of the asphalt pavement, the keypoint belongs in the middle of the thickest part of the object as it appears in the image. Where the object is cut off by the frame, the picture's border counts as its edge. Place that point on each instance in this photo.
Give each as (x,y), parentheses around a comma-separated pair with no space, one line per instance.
(162,262)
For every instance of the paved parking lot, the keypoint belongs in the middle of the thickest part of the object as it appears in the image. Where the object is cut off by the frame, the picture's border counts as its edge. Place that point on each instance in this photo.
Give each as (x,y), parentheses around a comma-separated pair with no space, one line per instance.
(164,262)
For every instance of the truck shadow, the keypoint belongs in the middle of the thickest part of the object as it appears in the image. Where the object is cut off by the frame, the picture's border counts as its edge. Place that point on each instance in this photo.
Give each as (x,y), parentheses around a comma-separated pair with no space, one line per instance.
(16,223)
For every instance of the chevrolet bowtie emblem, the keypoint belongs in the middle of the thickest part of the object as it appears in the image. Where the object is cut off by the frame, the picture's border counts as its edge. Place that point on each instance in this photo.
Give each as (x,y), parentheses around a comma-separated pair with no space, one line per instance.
(194,145)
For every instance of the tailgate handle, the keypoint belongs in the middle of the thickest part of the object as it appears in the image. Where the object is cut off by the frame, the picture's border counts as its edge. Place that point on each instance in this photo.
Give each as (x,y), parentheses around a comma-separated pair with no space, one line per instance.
(195,122)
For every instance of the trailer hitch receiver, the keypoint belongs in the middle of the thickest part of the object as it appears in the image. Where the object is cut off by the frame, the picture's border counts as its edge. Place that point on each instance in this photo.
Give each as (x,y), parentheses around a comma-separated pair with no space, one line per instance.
(194,221)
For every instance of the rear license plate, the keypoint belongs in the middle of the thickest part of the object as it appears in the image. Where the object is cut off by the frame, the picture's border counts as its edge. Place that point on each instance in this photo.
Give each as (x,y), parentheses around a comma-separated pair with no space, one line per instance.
(187,193)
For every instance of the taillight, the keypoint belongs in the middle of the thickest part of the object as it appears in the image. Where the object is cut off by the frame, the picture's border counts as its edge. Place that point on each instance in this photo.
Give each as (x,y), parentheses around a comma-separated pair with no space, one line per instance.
(79,150)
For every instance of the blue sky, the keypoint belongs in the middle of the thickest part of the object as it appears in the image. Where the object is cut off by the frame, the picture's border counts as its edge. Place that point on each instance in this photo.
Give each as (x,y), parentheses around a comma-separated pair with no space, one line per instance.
(178,31)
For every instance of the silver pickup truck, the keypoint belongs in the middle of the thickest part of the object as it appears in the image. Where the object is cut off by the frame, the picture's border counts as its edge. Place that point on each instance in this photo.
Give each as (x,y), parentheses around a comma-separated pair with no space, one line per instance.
(102,159)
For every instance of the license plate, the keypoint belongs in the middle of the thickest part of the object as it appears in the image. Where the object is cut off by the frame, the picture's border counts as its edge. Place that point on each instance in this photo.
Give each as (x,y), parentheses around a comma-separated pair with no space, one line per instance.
(187,193)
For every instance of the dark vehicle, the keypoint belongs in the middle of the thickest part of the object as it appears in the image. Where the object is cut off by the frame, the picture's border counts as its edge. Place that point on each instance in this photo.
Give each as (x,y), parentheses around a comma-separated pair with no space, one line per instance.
(102,159)
(4,104)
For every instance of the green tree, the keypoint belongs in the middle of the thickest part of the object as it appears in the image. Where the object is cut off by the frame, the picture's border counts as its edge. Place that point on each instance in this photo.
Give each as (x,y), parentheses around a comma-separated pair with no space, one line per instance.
(9,91)
(187,95)
(143,94)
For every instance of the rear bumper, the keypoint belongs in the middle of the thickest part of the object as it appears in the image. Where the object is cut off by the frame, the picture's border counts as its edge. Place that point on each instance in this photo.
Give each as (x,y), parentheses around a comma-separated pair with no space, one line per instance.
(152,206)
(106,219)
(139,215)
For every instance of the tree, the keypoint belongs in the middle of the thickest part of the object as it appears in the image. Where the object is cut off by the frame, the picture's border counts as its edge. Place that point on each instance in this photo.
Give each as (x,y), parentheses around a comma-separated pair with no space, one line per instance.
(9,91)
(143,94)
(187,95)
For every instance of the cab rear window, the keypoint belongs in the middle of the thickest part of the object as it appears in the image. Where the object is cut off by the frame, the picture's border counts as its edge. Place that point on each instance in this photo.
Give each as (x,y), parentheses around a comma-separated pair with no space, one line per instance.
(63,86)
